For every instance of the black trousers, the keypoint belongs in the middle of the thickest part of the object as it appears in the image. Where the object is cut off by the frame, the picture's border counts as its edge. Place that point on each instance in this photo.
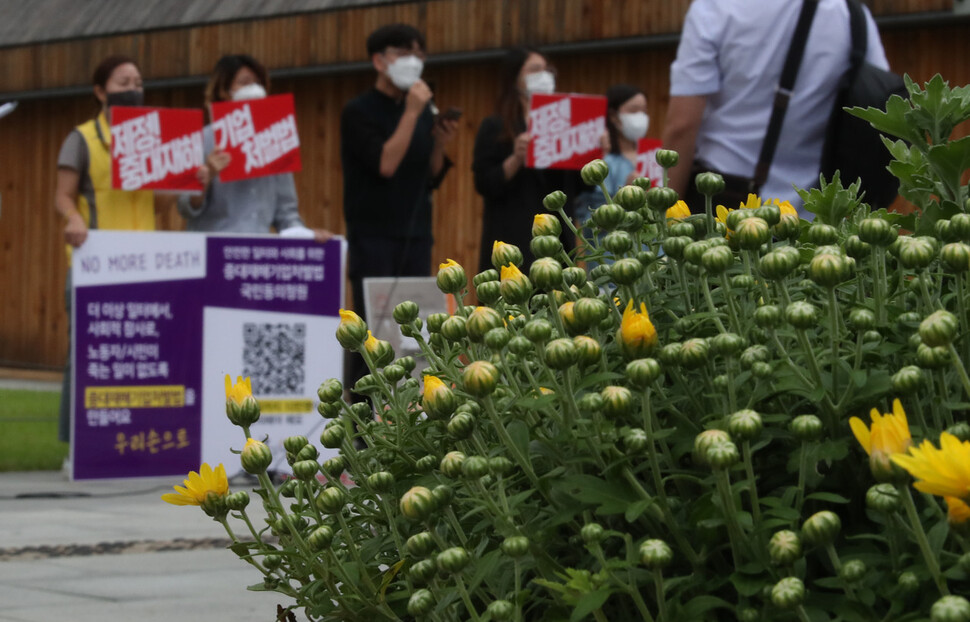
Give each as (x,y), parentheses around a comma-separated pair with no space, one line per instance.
(386,256)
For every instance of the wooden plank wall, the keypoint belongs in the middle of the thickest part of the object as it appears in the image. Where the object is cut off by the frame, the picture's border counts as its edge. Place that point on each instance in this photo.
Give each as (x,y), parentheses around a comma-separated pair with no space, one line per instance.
(33,329)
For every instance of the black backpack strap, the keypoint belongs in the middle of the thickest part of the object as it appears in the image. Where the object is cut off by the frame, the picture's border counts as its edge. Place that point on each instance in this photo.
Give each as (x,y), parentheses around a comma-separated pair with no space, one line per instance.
(860,37)
(783,94)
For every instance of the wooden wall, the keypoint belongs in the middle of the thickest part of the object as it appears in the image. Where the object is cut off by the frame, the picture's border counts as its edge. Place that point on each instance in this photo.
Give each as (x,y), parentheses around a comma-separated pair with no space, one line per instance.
(33,329)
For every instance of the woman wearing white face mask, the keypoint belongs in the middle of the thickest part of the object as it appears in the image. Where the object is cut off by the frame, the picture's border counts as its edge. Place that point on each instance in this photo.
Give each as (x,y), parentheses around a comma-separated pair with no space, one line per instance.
(248,205)
(513,193)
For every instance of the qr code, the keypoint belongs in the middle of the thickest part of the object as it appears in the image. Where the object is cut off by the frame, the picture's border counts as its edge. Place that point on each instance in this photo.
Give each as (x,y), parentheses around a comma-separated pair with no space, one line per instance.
(274,357)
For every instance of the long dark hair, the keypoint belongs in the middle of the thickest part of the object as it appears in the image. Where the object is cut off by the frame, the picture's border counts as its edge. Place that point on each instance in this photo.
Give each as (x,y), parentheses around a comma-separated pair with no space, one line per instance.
(509,105)
(225,71)
(616,96)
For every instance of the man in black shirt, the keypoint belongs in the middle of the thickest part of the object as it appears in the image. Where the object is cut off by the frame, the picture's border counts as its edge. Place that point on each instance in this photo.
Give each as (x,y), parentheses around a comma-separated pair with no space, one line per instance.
(393,151)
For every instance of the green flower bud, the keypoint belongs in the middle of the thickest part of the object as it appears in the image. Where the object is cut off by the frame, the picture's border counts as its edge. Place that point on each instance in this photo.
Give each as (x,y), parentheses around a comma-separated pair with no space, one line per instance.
(862,319)
(655,554)
(767,316)
(907,380)
(537,331)
(635,440)
(744,425)
(461,425)
(416,504)
(452,560)
(595,172)
(802,315)
(480,378)
(330,390)
(435,320)
(485,276)
(306,469)
(660,199)
(504,254)
(916,253)
(788,593)
(705,440)
(451,463)
(626,271)
(752,233)
(381,481)
(618,242)
(667,158)
(352,330)
(856,248)
(877,232)
(749,614)
(588,350)
(405,312)
(777,264)
(853,571)
(546,245)
(289,488)
(215,505)
(709,183)
(961,430)
(330,500)
(421,572)
(555,200)
(806,428)
(821,528)
(956,256)
(500,610)
(237,501)
(950,609)
(694,353)
(420,544)
(669,355)
(393,373)
(453,329)
(960,226)
(482,320)
(592,533)
(488,292)
(784,548)
(630,198)
(882,498)
(674,246)
(964,563)
(474,467)
(828,269)
(590,403)
(574,276)
(608,217)
(821,234)
(272,561)
(938,329)
(421,603)
(425,464)
(320,538)
(515,546)
(643,372)
(499,466)
(718,259)
(694,251)
(546,273)
(590,311)
(752,355)
(723,455)
(762,370)
(617,401)
(561,353)
(255,457)
(932,358)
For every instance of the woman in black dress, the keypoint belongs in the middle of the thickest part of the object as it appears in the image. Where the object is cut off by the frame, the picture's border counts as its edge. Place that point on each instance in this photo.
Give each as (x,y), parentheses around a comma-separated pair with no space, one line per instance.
(513,193)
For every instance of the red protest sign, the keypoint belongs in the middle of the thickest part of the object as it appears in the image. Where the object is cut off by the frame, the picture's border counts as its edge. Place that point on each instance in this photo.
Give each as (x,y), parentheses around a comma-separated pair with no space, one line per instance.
(259,135)
(566,130)
(155,148)
(647,160)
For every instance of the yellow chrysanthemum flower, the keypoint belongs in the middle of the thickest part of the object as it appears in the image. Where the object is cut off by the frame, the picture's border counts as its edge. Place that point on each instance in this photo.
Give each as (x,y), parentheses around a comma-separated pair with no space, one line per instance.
(678,211)
(239,391)
(637,332)
(511,272)
(347,315)
(198,485)
(431,385)
(372,343)
(944,472)
(785,207)
(957,512)
(448,263)
(888,435)
(753,202)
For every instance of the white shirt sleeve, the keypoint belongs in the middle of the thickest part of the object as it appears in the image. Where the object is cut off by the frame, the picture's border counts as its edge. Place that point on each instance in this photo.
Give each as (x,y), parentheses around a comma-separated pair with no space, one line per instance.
(695,71)
(875,54)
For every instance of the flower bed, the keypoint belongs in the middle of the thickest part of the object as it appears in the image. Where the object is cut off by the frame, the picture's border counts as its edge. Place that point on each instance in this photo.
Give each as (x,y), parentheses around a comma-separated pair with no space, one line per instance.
(679,434)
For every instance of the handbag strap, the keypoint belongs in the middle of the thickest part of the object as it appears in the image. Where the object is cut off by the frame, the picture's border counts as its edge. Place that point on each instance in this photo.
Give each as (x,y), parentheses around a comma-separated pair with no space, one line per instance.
(783,93)
(860,38)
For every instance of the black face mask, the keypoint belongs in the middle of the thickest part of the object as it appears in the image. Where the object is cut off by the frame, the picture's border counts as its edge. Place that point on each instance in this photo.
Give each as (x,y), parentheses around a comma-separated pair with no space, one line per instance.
(126,98)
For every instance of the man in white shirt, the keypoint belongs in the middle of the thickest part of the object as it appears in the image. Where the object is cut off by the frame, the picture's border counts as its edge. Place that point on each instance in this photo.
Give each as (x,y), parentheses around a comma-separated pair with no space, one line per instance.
(723,82)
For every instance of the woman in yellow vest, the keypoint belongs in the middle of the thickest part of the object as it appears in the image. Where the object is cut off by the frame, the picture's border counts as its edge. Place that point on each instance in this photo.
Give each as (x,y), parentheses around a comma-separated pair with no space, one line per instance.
(84,197)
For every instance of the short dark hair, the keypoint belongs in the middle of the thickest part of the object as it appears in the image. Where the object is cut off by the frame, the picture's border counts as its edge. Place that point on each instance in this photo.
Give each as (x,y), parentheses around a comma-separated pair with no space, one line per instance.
(616,96)
(225,71)
(102,73)
(393,35)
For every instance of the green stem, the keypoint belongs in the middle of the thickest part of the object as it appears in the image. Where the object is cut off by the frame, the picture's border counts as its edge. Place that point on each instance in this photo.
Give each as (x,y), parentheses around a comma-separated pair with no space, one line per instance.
(961,369)
(752,484)
(802,467)
(729,302)
(834,339)
(735,534)
(921,540)
(706,291)
(469,606)
(512,447)
(658,582)
(837,564)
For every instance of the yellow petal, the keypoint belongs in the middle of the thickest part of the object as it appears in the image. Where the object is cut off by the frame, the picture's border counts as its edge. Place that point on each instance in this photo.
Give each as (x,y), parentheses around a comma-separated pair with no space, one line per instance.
(861,433)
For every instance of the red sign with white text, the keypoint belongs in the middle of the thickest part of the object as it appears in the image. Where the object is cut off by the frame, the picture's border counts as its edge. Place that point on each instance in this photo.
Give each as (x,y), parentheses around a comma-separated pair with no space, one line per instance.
(566,130)
(259,135)
(155,148)
(647,160)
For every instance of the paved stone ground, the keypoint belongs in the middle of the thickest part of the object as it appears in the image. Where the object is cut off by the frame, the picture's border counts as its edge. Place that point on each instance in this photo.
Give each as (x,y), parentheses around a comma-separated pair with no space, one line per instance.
(112,550)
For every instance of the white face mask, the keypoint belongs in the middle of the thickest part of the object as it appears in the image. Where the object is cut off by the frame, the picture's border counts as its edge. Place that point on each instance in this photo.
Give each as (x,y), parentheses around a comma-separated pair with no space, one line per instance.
(542,82)
(634,125)
(405,71)
(250,91)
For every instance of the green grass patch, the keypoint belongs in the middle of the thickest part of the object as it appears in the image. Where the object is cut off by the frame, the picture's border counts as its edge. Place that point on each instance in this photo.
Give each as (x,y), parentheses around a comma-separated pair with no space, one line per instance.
(28,420)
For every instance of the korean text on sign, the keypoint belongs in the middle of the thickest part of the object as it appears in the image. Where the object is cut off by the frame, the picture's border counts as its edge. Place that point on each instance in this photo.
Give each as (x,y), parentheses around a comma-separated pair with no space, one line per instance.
(155,148)
(566,130)
(259,135)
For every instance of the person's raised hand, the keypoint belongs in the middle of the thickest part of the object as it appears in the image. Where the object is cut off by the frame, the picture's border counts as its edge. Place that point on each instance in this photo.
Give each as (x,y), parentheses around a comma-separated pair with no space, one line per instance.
(418,96)
(521,146)
(444,130)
